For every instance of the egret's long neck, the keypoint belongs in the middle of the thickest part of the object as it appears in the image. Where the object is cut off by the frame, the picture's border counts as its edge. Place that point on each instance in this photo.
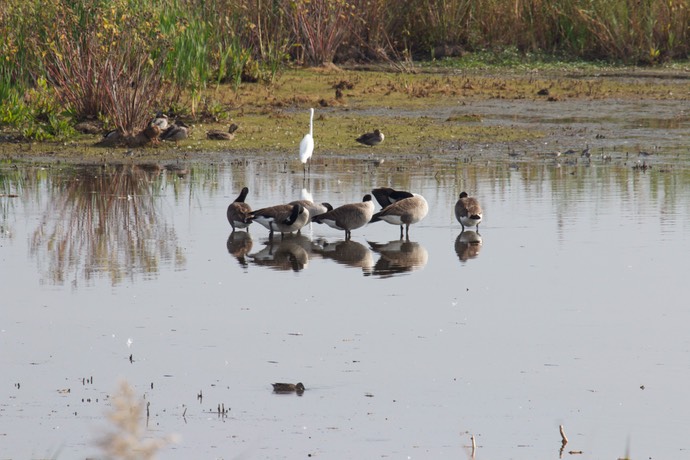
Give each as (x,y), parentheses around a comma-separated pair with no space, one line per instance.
(311,123)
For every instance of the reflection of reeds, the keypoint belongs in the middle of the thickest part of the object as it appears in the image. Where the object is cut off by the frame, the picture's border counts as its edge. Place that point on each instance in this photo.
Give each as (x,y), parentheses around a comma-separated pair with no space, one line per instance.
(11,185)
(104,220)
(127,440)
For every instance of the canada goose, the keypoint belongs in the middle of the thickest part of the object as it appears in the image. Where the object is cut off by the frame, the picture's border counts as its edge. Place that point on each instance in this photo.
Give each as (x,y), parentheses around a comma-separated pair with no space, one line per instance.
(314,209)
(468,212)
(288,387)
(177,132)
(240,213)
(307,200)
(306,146)
(284,218)
(371,139)
(348,217)
(218,135)
(387,196)
(406,211)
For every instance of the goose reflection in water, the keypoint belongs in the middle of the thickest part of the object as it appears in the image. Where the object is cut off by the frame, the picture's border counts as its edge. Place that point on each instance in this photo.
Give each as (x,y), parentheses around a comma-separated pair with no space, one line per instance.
(346,252)
(398,256)
(467,245)
(239,244)
(291,252)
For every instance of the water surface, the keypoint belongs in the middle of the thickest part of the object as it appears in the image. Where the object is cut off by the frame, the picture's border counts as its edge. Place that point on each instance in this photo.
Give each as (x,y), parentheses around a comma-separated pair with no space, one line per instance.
(568,308)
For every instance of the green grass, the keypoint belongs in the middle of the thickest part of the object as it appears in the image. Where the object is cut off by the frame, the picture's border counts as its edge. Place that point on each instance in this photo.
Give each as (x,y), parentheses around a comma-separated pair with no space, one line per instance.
(119,60)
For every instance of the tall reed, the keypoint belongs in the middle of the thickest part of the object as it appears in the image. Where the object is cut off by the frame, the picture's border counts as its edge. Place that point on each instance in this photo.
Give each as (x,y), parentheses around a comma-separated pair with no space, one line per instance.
(320,27)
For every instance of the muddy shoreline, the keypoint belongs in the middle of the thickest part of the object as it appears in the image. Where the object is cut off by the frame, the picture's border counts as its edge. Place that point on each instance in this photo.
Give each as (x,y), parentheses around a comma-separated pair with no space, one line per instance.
(449,116)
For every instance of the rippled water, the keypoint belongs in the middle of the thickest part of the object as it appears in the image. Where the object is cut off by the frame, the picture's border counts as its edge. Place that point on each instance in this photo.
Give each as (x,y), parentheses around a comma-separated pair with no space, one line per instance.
(569,308)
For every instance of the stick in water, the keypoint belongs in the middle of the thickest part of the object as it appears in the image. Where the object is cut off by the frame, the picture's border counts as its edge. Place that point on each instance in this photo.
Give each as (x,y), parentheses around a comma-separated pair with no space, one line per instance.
(563,436)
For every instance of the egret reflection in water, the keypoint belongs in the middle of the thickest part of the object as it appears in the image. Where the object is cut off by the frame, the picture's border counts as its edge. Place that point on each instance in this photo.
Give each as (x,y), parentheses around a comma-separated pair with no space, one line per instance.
(346,252)
(398,256)
(239,244)
(104,220)
(291,252)
(467,245)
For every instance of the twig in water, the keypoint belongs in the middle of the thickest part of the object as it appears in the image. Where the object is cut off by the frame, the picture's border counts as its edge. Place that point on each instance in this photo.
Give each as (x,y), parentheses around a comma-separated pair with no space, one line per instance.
(564,441)
(564,438)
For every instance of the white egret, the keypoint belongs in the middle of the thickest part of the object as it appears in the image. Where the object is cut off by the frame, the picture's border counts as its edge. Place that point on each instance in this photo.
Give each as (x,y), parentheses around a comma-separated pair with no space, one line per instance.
(306,146)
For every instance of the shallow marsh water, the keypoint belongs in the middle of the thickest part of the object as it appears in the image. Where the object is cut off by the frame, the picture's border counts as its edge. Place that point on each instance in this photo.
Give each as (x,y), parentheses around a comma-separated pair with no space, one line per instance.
(570,308)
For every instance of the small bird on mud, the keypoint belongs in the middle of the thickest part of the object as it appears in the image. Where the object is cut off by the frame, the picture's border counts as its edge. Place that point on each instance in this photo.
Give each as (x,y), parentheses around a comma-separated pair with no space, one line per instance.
(160,120)
(218,135)
(371,139)
(177,132)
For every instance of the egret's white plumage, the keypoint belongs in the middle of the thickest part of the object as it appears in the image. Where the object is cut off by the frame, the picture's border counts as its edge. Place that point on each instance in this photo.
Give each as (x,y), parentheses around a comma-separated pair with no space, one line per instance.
(306,195)
(306,146)
(307,200)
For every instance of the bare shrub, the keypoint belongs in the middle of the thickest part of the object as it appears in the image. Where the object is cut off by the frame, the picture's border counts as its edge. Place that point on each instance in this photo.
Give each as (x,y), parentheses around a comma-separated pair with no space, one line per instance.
(106,60)
(320,26)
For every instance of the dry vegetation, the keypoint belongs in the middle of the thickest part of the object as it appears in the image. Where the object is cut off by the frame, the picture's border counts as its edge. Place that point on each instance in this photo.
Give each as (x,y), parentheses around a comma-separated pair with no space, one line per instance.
(128,439)
(116,63)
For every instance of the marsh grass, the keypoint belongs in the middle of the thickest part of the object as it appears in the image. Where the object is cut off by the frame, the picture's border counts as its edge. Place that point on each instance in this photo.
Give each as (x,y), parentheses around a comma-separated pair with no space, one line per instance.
(122,60)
